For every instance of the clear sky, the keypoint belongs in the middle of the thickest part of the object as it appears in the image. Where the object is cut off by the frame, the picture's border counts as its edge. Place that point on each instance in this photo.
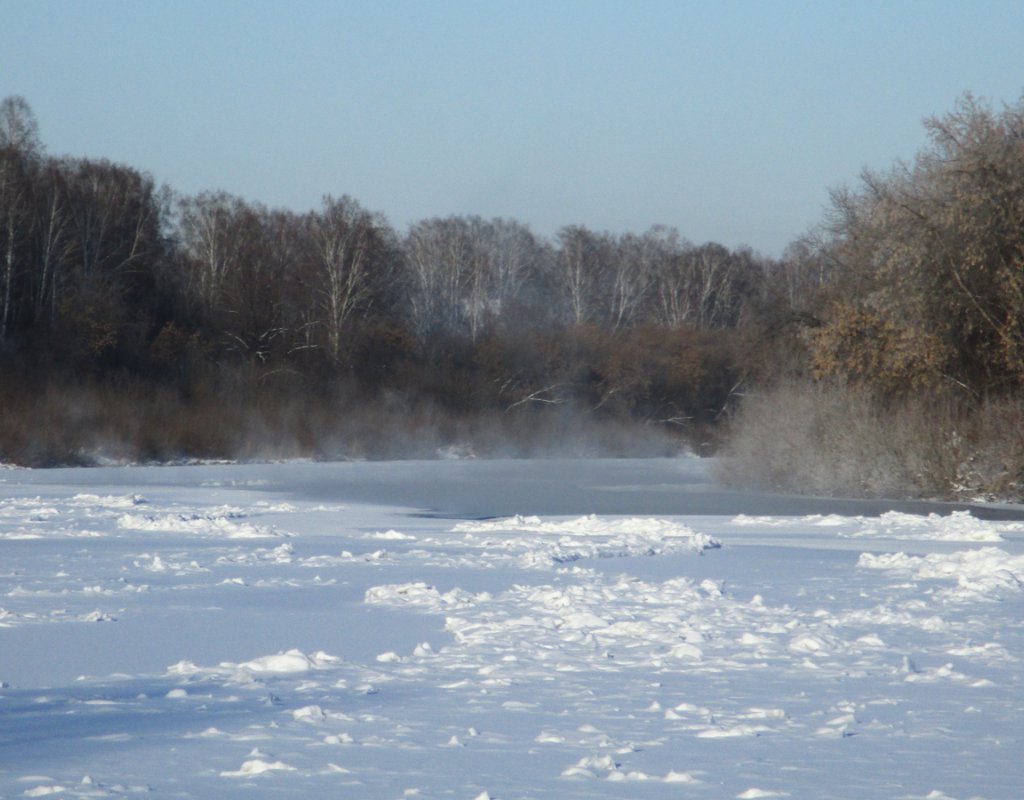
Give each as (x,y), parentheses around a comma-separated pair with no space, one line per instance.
(728,120)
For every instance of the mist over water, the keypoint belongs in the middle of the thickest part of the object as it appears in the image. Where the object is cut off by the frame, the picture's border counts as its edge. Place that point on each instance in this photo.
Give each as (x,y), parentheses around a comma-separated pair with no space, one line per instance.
(559,486)
(476,488)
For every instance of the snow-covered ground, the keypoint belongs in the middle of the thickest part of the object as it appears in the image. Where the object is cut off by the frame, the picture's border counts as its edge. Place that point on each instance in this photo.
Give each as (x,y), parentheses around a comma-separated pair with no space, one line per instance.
(522,629)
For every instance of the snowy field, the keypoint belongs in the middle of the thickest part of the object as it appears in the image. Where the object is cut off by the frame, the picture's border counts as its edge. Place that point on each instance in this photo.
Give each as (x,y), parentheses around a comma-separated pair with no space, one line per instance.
(545,629)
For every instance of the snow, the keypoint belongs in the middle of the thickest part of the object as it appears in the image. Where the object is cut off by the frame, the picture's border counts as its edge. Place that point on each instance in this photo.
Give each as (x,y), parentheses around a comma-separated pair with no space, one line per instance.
(500,630)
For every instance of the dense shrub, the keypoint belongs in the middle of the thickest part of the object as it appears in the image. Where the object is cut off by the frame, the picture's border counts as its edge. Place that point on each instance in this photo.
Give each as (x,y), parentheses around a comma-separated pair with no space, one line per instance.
(814,438)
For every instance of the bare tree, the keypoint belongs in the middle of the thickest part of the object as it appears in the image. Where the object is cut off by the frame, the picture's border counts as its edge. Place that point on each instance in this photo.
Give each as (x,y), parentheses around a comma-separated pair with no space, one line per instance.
(704,286)
(209,234)
(634,267)
(253,301)
(14,216)
(19,129)
(53,243)
(346,247)
(114,216)
(581,266)
(113,239)
(511,259)
(446,287)
(19,150)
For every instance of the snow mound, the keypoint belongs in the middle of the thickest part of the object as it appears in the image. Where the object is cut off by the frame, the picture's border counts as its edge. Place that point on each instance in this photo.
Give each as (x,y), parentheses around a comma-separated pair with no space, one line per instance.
(959,526)
(153,562)
(988,573)
(108,501)
(257,766)
(290,662)
(543,543)
(281,663)
(282,554)
(606,624)
(222,524)
(423,597)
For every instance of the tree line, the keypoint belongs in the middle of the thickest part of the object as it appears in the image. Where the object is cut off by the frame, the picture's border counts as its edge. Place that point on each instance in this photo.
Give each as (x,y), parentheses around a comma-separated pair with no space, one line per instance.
(267,318)
(106,277)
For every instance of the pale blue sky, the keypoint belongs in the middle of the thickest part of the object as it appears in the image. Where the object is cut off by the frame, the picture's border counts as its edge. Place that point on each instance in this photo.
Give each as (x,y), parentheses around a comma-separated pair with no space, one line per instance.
(728,120)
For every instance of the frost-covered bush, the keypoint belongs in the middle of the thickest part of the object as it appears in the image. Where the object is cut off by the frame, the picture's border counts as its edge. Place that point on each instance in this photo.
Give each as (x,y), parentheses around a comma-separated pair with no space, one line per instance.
(826,439)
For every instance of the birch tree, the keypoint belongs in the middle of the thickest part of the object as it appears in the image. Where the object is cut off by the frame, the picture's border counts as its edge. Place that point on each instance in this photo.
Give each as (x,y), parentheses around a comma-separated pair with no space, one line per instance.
(14,219)
(211,241)
(19,153)
(19,129)
(346,243)
(637,261)
(446,285)
(581,266)
(703,287)
(53,244)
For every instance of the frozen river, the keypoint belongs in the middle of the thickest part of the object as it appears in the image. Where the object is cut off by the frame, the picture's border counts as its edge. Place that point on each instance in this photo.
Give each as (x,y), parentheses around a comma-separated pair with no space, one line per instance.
(501,629)
(470,488)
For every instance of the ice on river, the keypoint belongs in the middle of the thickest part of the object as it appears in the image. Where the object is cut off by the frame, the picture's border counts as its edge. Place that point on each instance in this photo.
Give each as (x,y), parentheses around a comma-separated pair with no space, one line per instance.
(345,630)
